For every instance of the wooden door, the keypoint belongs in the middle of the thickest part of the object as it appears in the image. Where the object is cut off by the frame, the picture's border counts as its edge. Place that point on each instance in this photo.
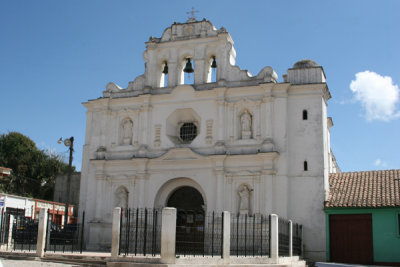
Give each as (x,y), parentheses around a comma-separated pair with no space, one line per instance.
(351,238)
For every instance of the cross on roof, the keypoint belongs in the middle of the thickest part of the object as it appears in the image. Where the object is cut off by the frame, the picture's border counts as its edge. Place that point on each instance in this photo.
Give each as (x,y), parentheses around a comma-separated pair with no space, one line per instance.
(192,13)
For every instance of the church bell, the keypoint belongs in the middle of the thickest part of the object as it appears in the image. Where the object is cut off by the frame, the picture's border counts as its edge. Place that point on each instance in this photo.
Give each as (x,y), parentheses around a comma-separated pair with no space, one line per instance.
(188,67)
(165,70)
(214,63)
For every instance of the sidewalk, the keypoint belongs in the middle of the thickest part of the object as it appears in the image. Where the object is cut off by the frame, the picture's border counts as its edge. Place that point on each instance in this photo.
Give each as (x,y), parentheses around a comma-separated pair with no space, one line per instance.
(25,258)
(31,263)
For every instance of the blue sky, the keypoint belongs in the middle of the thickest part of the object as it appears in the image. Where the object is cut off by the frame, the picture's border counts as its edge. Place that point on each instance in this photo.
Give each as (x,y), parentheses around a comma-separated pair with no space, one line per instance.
(56,54)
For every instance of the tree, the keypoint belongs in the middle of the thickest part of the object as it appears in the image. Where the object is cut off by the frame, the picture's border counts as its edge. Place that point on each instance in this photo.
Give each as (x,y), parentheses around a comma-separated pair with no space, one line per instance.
(33,170)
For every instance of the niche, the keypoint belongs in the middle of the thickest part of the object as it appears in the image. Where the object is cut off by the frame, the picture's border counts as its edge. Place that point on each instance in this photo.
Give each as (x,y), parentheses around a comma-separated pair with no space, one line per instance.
(121,197)
(126,131)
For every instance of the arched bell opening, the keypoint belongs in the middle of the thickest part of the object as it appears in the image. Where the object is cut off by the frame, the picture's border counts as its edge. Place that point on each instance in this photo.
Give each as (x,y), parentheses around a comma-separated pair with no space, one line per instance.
(211,70)
(187,72)
(164,74)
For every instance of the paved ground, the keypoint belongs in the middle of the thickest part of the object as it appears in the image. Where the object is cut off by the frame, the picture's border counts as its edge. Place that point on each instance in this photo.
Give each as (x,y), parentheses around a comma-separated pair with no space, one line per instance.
(22,263)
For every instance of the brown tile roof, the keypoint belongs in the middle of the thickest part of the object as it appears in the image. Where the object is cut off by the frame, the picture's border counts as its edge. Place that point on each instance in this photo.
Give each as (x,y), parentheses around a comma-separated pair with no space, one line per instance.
(364,189)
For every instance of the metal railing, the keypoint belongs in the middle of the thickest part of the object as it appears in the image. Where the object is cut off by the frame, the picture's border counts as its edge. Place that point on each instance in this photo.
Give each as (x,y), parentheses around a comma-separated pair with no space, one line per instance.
(250,235)
(24,233)
(297,239)
(283,229)
(199,233)
(4,227)
(140,232)
(65,238)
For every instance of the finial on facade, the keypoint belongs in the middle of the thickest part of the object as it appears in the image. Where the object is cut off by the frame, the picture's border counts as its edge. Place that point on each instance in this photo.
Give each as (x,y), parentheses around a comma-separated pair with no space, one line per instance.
(192,17)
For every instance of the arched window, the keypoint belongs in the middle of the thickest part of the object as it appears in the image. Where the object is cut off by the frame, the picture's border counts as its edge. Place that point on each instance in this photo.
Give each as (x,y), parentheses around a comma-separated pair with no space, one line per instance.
(305,165)
(305,115)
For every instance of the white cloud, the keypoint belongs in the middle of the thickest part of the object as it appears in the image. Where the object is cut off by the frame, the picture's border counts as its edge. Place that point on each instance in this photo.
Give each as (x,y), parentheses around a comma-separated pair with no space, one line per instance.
(380,163)
(377,94)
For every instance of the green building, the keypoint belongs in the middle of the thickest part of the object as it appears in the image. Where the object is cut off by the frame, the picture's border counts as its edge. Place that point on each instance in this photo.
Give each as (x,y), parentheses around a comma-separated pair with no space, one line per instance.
(363,217)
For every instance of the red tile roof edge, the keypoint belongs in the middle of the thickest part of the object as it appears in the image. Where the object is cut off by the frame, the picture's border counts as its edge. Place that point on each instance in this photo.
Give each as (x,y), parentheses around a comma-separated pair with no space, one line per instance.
(364,189)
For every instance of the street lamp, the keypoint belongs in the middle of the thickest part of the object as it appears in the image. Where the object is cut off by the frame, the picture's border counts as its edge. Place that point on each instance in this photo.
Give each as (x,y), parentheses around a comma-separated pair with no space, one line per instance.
(69,142)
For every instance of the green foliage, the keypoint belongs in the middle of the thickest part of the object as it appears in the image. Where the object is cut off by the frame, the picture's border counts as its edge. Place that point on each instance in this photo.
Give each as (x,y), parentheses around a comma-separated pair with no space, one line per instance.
(33,170)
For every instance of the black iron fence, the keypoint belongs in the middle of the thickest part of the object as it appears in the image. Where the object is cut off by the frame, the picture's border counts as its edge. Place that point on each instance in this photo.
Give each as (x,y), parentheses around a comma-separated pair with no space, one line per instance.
(283,230)
(4,227)
(140,232)
(250,235)
(65,238)
(199,233)
(297,239)
(24,233)
(19,233)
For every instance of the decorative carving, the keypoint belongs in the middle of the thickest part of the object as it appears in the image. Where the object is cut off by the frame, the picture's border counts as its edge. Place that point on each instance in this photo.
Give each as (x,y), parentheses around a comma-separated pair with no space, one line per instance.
(112,87)
(268,75)
(244,195)
(222,30)
(121,197)
(138,83)
(209,125)
(127,126)
(101,152)
(157,135)
(246,122)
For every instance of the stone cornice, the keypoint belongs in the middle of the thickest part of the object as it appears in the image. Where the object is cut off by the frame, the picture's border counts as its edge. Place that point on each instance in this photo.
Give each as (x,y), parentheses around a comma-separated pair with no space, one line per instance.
(186,159)
(311,89)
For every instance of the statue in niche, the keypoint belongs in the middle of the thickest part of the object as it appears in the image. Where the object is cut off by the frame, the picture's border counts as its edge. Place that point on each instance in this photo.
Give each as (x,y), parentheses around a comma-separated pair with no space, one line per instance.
(127,132)
(121,198)
(245,121)
(244,194)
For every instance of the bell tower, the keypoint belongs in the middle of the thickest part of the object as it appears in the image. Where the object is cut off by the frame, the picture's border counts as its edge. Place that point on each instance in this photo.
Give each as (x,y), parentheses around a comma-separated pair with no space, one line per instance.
(195,43)
(195,47)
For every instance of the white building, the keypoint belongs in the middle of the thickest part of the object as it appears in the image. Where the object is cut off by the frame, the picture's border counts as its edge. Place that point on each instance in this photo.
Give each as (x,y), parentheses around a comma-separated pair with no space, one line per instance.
(242,143)
(30,207)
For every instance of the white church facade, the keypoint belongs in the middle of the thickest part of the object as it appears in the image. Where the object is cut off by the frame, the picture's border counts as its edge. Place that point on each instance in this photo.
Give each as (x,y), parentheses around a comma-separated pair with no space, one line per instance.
(223,140)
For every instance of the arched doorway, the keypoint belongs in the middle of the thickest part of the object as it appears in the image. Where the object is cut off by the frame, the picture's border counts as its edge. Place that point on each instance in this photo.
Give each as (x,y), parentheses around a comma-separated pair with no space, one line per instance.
(190,220)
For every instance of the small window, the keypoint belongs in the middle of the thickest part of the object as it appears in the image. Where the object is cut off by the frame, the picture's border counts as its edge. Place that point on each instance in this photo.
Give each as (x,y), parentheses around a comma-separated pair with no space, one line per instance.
(188,132)
(305,165)
(305,115)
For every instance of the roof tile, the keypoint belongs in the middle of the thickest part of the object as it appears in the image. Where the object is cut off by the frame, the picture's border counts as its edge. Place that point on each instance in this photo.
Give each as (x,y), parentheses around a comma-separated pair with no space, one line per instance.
(364,189)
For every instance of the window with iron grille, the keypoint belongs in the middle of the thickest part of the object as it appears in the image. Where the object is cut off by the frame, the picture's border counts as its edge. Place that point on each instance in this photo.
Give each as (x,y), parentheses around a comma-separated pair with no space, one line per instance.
(188,132)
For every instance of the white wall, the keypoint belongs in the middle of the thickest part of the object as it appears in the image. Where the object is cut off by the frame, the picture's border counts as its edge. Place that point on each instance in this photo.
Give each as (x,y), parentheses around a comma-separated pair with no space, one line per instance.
(219,160)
